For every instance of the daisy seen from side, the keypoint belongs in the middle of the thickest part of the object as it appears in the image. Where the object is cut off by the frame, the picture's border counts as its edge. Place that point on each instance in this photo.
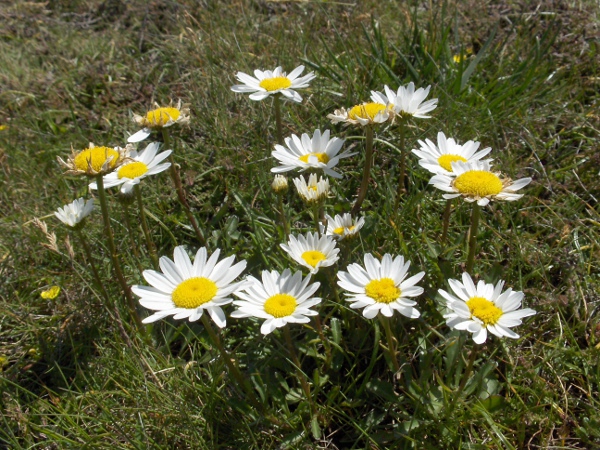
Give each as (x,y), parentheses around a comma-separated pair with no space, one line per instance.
(158,118)
(312,251)
(75,212)
(342,227)
(94,160)
(482,308)
(266,83)
(406,102)
(313,190)
(370,113)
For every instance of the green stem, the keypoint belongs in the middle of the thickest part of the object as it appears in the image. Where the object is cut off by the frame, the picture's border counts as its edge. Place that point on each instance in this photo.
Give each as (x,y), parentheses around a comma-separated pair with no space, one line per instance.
(88,254)
(385,321)
(465,378)
(364,185)
(132,237)
(286,225)
(446,220)
(401,188)
(316,215)
(473,238)
(149,242)
(301,375)
(278,125)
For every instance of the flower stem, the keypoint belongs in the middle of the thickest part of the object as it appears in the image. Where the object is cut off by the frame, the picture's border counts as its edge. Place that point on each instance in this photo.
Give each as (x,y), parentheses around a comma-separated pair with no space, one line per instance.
(473,238)
(286,225)
(364,185)
(401,188)
(385,321)
(88,255)
(279,127)
(301,375)
(446,220)
(149,242)
(464,379)
(131,233)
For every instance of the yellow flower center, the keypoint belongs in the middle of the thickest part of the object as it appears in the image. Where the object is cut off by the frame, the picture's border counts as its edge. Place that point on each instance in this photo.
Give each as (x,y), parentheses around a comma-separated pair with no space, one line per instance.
(280,305)
(51,293)
(313,257)
(484,310)
(95,157)
(383,290)
(340,230)
(132,170)
(322,157)
(159,117)
(194,292)
(445,161)
(478,183)
(275,83)
(366,111)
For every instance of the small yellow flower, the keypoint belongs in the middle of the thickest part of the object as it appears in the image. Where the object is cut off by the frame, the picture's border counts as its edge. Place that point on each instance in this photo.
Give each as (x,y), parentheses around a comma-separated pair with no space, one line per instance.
(50,294)
(3,127)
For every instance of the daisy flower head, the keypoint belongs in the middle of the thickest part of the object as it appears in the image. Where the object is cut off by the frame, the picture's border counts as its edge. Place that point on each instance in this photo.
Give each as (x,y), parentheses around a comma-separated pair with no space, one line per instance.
(136,168)
(280,299)
(342,227)
(94,161)
(317,153)
(475,182)
(439,158)
(158,118)
(74,213)
(312,251)
(406,101)
(312,191)
(381,286)
(280,184)
(364,114)
(185,290)
(265,83)
(482,308)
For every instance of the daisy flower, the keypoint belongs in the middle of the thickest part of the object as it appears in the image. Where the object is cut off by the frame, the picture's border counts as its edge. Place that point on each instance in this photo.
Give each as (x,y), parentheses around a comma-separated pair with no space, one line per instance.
(273,82)
(158,118)
(363,114)
(74,213)
(280,184)
(381,287)
(312,251)
(482,308)
(407,101)
(313,191)
(340,227)
(280,299)
(185,290)
(439,159)
(94,161)
(303,153)
(477,183)
(136,168)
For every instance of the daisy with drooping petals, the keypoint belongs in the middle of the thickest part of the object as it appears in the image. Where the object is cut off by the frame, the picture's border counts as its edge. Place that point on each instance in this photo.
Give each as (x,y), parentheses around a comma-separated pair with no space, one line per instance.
(74,213)
(303,153)
(185,290)
(94,161)
(341,227)
(475,182)
(363,114)
(280,299)
(439,158)
(482,308)
(381,286)
(313,191)
(273,82)
(406,102)
(158,118)
(136,168)
(312,251)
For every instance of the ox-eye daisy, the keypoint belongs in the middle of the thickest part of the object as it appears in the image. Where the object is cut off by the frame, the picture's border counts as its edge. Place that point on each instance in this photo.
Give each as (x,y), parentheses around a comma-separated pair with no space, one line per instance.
(136,167)
(94,161)
(381,286)
(475,182)
(482,308)
(280,299)
(273,82)
(312,251)
(186,290)
(363,114)
(312,191)
(340,227)
(439,158)
(320,153)
(407,101)
(158,118)
(74,213)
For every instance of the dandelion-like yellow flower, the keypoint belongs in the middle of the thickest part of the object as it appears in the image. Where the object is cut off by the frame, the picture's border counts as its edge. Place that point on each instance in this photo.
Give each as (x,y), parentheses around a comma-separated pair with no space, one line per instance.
(50,294)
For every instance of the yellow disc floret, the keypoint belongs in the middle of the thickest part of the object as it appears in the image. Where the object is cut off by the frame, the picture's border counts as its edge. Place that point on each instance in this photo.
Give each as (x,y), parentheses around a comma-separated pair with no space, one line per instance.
(194,292)
(484,310)
(275,83)
(132,170)
(478,183)
(313,257)
(280,305)
(322,157)
(366,111)
(383,290)
(445,161)
(340,230)
(95,158)
(159,117)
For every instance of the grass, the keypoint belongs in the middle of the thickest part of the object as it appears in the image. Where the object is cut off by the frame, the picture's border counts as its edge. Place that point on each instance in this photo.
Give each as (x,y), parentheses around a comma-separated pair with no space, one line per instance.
(77,374)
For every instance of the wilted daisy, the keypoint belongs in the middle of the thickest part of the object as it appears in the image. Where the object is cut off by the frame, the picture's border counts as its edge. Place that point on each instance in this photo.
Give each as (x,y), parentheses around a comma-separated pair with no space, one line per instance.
(363,114)
(313,191)
(340,227)
(312,251)
(158,118)
(185,290)
(381,286)
(136,168)
(74,213)
(482,308)
(94,161)
(407,101)
(273,82)
(475,182)
(439,158)
(280,299)
(303,153)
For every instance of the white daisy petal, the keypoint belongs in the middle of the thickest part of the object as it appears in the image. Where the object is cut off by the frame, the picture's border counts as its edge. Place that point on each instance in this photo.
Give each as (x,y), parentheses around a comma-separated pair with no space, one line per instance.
(266,83)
